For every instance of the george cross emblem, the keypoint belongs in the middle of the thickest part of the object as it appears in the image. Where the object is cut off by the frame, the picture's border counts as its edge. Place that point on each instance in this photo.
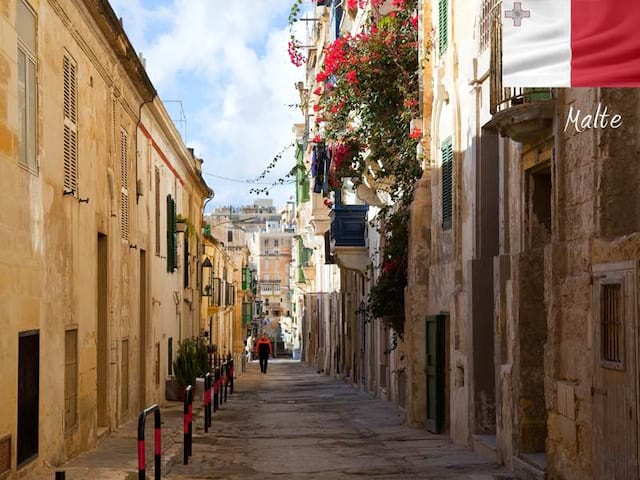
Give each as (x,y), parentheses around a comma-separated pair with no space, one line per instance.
(517,14)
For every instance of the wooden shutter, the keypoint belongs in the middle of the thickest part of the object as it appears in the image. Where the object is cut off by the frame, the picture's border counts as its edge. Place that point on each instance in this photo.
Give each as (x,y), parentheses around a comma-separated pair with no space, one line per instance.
(157,208)
(172,247)
(124,190)
(70,108)
(447,183)
(443,25)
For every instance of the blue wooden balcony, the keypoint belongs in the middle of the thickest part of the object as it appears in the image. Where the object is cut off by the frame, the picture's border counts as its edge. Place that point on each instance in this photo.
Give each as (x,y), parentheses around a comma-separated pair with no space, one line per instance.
(349,225)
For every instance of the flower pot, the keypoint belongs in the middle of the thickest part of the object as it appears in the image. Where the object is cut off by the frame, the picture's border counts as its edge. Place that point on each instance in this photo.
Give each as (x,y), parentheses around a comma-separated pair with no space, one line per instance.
(181,227)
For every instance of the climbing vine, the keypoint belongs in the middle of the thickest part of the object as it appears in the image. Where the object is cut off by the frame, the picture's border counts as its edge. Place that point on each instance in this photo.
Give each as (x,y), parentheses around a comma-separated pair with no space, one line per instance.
(368,94)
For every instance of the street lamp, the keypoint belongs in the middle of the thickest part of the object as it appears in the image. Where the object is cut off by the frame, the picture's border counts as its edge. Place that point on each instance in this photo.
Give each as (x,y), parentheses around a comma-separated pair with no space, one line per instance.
(207,274)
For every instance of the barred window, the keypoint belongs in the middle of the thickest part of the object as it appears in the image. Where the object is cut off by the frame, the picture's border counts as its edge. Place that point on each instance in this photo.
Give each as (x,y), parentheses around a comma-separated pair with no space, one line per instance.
(612,325)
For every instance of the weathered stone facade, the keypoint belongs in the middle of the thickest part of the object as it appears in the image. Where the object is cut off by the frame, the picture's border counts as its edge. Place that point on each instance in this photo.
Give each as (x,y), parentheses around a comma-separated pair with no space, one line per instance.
(89,303)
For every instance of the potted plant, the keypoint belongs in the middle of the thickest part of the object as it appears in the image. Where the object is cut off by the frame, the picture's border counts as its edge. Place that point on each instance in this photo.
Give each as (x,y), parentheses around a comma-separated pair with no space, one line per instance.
(191,362)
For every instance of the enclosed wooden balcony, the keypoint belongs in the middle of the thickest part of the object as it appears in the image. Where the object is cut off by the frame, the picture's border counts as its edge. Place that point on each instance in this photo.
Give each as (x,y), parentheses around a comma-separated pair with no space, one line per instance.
(349,236)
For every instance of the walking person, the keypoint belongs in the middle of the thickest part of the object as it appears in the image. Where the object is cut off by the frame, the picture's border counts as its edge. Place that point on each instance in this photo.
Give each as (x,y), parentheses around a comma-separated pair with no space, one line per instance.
(263,349)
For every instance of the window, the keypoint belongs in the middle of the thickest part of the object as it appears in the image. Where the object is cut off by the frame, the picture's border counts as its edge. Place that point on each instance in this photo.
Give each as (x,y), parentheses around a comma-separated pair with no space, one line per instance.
(70,108)
(447,183)
(611,325)
(230,236)
(172,245)
(187,270)
(124,181)
(490,14)
(157,365)
(157,186)
(539,190)
(443,26)
(70,379)
(276,243)
(27,85)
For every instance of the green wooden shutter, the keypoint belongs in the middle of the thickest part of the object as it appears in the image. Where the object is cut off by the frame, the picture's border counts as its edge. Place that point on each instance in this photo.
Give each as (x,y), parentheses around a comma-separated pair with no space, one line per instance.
(443,25)
(302,180)
(172,247)
(447,183)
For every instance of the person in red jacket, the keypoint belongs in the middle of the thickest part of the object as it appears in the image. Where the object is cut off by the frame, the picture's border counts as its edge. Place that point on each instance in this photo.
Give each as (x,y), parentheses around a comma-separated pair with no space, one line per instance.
(263,349)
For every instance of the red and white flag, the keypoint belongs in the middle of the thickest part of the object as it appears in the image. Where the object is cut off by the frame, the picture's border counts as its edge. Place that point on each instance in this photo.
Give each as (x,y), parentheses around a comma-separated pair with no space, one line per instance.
(571,43)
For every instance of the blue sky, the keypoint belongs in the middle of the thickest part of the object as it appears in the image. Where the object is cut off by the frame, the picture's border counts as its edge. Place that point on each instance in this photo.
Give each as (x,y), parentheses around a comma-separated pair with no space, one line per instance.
(227,63)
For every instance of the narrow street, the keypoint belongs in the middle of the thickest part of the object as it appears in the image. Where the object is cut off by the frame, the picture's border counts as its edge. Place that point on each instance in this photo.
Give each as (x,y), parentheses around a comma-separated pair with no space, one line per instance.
(293,423)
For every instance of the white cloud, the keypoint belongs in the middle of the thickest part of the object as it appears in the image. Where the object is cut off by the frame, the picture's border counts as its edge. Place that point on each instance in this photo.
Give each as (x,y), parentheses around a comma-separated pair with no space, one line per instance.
(231,58)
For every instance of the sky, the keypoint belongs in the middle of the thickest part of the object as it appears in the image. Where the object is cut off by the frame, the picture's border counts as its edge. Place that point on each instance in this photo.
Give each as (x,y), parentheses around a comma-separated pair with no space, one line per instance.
(227,62)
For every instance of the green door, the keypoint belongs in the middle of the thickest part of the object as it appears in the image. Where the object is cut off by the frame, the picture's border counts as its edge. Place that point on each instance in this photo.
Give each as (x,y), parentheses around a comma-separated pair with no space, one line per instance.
(435,365)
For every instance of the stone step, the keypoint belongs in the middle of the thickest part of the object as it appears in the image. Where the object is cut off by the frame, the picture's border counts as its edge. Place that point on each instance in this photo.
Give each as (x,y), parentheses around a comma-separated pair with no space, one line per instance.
(530,466)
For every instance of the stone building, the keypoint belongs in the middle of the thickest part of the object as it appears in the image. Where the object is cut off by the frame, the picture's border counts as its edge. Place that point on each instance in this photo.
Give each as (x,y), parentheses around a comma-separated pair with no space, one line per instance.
(97,286)
(224,292)
(337,244)
(524,237)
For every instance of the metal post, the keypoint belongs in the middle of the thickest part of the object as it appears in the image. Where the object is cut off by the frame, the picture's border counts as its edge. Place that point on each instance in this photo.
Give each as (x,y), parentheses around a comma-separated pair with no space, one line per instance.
(225,369)
(187,423)
(216,374)
(207,402)
(157,442)
(231,374)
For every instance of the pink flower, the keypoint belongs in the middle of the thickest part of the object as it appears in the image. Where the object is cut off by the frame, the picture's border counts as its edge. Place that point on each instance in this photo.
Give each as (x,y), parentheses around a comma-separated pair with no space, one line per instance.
(414,21)
(316,108)
(318,91)
(321,77)
(352,77)
(416,134)
(316,139)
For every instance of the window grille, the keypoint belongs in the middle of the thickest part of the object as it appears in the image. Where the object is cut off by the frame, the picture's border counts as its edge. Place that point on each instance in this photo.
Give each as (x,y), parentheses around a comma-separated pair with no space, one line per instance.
(612,325)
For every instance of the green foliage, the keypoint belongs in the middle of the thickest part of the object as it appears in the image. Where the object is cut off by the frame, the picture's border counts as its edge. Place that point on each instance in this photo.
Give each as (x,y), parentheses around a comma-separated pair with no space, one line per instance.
(368,95)
(192,361)
(386,298)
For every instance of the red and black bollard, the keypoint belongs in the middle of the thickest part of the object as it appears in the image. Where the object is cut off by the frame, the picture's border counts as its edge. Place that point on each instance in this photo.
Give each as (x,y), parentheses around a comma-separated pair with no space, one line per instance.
(216,389)
(188,423)
(157,442)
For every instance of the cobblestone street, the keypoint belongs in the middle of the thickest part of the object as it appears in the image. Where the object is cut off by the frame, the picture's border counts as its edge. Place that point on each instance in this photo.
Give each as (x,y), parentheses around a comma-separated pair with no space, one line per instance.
(292,423)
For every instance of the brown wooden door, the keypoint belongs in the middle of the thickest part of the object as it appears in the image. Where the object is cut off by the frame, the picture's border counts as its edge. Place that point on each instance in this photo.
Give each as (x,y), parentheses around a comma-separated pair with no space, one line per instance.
(615,409)
(28,395)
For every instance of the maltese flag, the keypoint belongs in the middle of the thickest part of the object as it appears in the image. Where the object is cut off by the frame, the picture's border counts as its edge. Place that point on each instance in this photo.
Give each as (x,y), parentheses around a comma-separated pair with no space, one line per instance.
(571,43)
